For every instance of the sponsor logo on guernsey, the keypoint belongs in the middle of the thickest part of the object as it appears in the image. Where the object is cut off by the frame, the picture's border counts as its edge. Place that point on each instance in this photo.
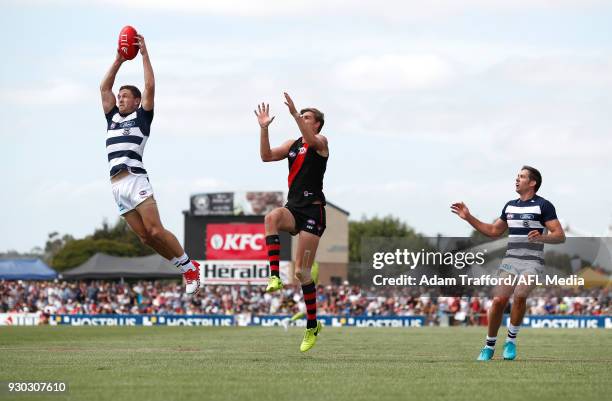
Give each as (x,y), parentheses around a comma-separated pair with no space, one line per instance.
(143,193)
(292,154)
(526,216)
(126,131)
(311,221)
(113,125)
(525,223)
(509,216)
(302,150)
(127,124)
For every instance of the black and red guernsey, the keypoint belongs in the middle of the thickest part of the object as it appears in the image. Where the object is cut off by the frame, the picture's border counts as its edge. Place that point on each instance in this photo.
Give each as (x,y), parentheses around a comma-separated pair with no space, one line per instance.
(306,171)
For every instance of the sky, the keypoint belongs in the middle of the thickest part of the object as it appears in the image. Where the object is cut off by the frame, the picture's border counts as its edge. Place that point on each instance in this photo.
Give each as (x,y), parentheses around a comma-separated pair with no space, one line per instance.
(426,103)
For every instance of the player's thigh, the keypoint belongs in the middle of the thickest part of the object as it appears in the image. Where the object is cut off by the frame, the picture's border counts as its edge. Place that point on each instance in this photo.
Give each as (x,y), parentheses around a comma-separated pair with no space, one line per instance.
(522,291)
(503,290)
(282,218)
(306,251)
(150,215)
(133,219)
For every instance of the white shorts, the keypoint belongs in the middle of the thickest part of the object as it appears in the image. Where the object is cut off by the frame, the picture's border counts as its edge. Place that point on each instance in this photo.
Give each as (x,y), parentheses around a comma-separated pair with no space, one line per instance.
(131,191)
(520,267)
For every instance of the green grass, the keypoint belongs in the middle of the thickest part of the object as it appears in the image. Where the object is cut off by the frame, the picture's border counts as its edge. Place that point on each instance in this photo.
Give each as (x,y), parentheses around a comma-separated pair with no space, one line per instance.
(195,363)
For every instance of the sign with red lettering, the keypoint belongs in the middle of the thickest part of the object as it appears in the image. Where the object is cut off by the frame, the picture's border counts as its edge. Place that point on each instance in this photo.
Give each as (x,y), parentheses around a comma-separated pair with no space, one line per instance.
(236,242)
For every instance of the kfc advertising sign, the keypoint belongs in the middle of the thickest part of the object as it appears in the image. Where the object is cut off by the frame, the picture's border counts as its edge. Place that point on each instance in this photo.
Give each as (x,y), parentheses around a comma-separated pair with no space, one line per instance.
(236,242)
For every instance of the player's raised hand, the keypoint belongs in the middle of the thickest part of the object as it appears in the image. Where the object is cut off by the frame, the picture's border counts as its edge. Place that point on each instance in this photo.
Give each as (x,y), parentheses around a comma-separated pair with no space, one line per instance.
(140,41)
(290,105)
(263,115)
(460,209)
(119,57)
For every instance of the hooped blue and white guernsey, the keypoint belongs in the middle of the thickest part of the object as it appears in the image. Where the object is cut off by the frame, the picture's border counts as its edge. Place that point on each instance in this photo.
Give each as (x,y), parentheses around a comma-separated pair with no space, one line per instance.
(126,139)
(523,217)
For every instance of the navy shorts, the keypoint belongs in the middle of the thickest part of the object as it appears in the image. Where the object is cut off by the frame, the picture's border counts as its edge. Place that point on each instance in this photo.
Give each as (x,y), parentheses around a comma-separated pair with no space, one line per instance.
(309,218)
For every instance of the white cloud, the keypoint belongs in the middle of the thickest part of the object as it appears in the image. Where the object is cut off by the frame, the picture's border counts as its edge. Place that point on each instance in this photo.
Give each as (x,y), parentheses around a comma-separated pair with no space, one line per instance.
(563,71)
(389,9)
(59,92)
(394,72)
(171,185)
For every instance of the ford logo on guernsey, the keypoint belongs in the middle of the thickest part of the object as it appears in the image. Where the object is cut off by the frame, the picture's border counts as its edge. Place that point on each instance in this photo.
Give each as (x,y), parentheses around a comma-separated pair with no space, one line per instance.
(128,124)
(527,216)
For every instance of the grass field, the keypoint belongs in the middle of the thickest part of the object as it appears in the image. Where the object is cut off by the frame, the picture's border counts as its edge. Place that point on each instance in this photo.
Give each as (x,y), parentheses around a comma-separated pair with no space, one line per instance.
(195,363)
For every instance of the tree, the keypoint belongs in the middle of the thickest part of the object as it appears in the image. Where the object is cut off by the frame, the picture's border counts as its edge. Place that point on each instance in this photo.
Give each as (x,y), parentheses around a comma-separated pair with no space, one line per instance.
(378,234)
(78,251)
(121,232)
(388,227)
(119,240)
(55,243)
(34,253)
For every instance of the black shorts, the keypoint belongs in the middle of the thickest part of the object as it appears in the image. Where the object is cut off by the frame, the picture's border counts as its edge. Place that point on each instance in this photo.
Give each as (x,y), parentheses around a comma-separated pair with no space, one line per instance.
(309,218)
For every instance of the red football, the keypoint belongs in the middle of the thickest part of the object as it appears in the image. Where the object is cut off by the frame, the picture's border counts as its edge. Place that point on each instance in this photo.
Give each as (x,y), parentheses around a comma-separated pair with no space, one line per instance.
(128,46)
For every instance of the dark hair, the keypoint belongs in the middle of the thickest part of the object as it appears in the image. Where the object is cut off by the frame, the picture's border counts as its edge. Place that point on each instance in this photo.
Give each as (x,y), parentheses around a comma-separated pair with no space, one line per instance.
(135,91)
(534,175)
(319,117)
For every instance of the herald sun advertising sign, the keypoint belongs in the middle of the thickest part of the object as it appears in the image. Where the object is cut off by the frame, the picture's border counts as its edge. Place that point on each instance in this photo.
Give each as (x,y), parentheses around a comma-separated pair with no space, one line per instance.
(240,272)
(236,242)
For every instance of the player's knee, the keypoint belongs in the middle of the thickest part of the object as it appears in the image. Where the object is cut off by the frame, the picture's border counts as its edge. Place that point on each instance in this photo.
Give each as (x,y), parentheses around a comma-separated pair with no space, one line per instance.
(520,299)
(145,238)
(155,234)
(500,301)
(303,276)
(271,219)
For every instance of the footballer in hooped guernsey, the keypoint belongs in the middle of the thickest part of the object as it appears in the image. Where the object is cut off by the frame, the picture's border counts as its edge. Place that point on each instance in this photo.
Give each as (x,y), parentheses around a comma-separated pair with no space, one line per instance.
(304,213)
(531,222)
(129,117)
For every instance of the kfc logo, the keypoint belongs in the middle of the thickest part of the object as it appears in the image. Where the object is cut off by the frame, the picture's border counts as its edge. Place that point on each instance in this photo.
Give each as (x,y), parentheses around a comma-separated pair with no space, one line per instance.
(235,241)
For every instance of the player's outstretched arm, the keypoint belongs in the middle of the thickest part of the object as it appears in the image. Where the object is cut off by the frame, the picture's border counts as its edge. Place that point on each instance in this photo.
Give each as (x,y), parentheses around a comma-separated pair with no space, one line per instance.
(490,230)
(148,95)
(266,152)
(106,87)
(316,141)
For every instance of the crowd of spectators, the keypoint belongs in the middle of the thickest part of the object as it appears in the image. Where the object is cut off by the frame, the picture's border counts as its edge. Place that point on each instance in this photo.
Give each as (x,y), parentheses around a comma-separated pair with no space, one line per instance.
(167,297)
